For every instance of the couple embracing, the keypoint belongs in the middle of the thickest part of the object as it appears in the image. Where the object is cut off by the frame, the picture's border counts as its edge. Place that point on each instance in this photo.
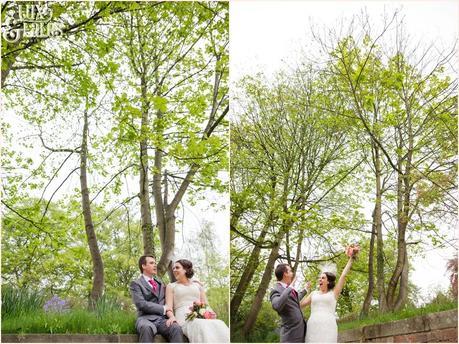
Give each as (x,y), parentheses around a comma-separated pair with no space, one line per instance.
(172,310)
(321,326)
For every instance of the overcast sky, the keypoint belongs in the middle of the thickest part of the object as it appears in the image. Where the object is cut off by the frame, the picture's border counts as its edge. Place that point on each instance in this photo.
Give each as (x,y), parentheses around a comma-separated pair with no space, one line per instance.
(265,35)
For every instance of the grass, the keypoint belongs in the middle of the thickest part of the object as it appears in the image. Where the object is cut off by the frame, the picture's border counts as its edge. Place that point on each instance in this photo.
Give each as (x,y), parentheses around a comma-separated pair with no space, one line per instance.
(23,311)
(74,321)
(408,312)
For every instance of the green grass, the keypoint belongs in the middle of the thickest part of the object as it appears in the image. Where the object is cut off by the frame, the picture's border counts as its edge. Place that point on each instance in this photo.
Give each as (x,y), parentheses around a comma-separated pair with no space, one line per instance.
(74,321)
(393,316)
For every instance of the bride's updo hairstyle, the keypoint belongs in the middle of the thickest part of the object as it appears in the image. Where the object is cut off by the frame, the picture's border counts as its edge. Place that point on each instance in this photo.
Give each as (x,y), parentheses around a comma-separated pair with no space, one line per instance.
(188,266)
(331,278)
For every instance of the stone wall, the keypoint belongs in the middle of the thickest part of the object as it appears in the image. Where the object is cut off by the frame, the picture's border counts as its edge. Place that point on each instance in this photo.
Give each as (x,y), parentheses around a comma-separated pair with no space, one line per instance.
(73,338)
(433,327)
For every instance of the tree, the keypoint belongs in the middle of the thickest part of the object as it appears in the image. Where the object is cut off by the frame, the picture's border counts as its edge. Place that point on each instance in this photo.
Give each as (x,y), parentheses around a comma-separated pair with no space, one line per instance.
(181,102)
(398,111)
(297,155)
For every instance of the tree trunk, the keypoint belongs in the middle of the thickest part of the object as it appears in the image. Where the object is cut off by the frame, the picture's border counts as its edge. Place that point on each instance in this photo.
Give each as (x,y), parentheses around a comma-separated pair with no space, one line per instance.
(403,290)
(145,210)
(371,278)
(404,186)
(97,264)
(377,220)
(261,291)
(246,276)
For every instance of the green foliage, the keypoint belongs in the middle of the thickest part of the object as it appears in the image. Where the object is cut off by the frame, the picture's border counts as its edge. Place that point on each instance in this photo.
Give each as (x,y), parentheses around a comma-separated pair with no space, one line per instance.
(218,300)
(19,302)
(60,250)
(266,329)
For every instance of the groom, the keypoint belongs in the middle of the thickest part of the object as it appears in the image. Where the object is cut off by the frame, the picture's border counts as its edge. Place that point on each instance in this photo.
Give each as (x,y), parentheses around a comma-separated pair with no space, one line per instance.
(148,294)
(286,302)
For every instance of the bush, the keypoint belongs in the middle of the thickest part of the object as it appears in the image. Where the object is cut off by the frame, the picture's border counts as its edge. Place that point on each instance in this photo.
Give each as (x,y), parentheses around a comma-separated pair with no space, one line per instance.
(266,329)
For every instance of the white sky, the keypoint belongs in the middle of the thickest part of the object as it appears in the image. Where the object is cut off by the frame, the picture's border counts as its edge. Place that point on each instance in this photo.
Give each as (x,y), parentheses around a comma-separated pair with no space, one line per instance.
(264,35)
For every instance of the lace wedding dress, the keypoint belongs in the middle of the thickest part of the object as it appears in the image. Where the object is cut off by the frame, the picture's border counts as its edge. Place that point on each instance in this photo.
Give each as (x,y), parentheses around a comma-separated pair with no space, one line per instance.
(322,326)
(197,330)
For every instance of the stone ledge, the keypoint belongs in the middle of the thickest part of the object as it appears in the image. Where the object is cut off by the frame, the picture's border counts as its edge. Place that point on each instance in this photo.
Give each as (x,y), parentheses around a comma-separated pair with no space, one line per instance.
(73,338)
(433,327)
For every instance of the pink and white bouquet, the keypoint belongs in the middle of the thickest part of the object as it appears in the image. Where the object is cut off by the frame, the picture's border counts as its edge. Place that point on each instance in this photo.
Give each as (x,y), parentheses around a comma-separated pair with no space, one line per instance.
(199,310)
(352,250)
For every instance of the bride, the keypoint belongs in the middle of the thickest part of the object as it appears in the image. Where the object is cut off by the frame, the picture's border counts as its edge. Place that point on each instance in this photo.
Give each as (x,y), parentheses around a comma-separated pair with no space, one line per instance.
(181,295)
(321,325)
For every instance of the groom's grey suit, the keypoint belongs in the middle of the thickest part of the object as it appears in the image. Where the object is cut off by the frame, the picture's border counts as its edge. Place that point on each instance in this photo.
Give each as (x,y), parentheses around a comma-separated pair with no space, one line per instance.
(287,305)
(150,312)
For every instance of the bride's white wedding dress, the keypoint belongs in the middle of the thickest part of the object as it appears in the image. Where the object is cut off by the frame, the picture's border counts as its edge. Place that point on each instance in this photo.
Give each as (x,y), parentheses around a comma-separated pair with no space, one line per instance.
(197,330)
(322,326)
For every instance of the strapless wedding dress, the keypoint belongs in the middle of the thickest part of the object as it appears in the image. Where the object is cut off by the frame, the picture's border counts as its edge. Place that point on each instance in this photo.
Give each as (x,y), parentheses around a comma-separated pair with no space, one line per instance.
(322,326)
(197,330)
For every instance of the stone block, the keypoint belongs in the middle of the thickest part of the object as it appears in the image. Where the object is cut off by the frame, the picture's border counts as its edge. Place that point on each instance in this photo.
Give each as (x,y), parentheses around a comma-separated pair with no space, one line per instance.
(447,335)
(389,339)
(350,336)
(421,337)
(440,320)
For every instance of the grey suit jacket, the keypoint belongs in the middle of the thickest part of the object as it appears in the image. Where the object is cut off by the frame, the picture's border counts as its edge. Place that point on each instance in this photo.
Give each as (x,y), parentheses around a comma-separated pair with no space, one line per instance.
(149,305)
(293,326)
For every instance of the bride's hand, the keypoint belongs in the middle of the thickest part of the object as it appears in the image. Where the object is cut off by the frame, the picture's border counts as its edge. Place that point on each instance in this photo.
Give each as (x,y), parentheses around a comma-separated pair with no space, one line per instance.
(308,286)
(352,250)
(170,321)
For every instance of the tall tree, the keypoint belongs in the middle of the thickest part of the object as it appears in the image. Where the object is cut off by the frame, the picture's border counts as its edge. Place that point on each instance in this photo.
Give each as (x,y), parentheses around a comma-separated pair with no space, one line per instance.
(398,111)
(178,53)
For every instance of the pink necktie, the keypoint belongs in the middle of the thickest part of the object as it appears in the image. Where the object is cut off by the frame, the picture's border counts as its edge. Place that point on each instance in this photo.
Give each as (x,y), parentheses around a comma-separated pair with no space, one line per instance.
(154,285)
(294,293)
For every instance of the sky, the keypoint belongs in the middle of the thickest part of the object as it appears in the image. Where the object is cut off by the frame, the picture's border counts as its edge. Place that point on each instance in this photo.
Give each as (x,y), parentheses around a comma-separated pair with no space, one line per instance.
(265,33)
(265,36)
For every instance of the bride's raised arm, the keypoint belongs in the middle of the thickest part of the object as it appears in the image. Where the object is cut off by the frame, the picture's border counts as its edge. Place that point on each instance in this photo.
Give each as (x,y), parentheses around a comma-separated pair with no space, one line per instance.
(170,305)
(342,279)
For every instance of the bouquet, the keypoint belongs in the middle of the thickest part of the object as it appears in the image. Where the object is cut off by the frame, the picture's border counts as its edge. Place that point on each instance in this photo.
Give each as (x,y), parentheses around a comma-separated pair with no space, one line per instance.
(199,310)
(352,250)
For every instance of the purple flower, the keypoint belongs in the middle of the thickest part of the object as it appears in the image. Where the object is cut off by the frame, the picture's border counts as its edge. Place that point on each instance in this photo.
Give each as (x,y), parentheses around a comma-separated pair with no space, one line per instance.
(56,305)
